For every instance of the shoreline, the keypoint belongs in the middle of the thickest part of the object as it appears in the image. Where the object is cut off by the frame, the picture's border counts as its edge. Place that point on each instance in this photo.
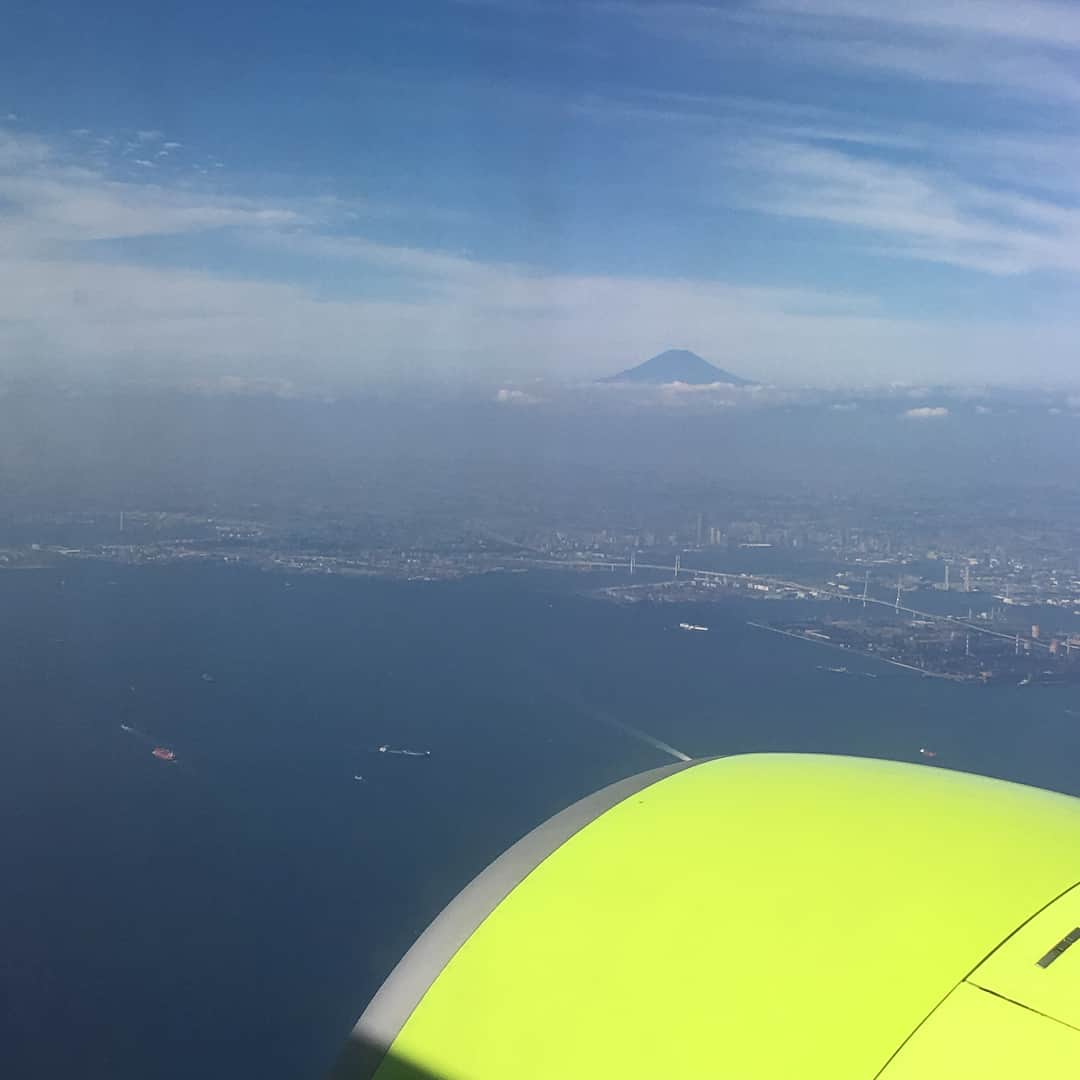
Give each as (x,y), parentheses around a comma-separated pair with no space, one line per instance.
(858,652)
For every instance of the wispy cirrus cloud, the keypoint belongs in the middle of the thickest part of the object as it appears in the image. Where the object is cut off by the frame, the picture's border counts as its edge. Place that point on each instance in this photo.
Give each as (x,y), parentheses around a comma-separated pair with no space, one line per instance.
(1039,21)
(918,211)
(57,203)
(1026,49)
(1022,47)
(994,67)
(1003,202)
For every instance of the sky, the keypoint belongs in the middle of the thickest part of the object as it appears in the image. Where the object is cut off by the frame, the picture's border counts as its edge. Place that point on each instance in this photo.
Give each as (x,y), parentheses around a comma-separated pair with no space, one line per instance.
(806,192)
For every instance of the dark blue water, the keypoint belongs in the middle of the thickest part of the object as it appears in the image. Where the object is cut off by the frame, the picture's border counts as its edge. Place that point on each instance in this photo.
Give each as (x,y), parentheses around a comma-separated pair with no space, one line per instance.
(231,914)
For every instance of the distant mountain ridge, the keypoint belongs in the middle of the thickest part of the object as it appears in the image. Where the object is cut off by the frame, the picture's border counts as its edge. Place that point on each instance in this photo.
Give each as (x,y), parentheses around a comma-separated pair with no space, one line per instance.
(678,365)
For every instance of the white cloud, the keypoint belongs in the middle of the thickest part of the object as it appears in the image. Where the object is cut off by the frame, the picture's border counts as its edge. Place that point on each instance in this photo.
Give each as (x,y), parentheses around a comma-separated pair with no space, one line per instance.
(716,388)
(508,396)
(926,412)
(241,386)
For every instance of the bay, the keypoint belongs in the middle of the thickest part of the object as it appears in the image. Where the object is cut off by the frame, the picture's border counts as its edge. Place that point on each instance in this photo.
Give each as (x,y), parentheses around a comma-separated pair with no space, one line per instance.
(232,912)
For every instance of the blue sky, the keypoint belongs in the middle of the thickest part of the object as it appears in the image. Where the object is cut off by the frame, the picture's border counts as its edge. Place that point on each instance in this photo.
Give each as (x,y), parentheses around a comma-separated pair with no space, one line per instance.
(805,191)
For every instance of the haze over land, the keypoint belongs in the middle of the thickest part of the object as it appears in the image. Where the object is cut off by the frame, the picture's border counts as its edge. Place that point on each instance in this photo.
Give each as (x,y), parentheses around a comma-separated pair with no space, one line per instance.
(197,450)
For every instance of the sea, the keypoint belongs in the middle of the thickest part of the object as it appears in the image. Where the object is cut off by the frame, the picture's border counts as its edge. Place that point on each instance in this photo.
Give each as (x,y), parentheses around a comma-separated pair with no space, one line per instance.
(231,912)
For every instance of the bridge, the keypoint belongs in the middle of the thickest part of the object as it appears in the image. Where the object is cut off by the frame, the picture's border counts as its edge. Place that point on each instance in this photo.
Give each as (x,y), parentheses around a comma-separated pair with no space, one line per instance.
(677,570)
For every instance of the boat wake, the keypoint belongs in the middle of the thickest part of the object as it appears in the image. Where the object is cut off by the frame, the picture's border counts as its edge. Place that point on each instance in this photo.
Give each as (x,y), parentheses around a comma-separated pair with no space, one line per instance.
(649,740)
(135,733)
(404,753)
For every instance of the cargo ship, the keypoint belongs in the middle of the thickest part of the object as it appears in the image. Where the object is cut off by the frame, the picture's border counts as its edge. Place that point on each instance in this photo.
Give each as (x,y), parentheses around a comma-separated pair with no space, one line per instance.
(163,753)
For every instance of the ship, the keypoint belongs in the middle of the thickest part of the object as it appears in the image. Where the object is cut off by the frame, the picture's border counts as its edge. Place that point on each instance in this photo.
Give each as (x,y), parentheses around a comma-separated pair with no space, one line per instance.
(163,753)
(691,626)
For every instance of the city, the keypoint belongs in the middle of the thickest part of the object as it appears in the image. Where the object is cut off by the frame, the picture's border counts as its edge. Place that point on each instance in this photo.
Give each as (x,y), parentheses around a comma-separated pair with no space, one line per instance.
(957,592)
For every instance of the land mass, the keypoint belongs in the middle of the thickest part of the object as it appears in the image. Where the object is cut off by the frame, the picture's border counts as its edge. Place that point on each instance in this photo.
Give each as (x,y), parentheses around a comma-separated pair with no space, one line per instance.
(678,365)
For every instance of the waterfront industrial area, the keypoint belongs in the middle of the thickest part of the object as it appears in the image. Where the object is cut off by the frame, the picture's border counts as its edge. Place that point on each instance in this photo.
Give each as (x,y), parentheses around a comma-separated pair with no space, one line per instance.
(989,642)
